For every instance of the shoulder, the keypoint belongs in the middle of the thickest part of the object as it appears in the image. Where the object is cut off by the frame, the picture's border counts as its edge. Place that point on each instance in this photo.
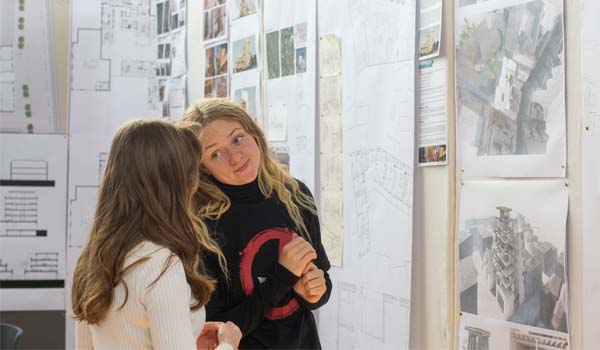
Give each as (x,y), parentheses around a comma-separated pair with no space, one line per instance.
(150,259)
(303,188)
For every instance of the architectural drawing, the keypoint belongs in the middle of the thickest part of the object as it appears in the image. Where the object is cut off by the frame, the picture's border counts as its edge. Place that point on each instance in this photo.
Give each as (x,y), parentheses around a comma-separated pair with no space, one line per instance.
(27,82)
(385,321)
(511,265)
(377,156)
(480,333)
(127,62)
(32,189)
(510,82)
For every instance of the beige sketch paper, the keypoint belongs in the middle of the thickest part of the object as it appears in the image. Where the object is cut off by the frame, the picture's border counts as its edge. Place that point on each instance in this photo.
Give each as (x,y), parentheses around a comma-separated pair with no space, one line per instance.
(590,51)
(330,127)
(330,63)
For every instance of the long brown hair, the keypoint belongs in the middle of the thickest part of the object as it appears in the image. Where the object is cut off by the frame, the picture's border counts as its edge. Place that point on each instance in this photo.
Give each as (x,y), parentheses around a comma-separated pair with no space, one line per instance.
(272,179)
(146,194)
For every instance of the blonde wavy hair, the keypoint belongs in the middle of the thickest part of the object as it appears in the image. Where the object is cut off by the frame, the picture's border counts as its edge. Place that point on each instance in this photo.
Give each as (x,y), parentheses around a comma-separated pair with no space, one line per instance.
(272,179)
(146,194)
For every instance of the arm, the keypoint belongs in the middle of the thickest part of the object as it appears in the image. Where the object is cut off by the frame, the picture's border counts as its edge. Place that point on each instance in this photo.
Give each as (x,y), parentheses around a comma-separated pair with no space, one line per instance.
(83,336)
(249,313)
(167,307)
(322,262)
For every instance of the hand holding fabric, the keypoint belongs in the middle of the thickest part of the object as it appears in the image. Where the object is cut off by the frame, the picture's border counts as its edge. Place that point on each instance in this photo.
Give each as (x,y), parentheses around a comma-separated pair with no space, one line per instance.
(296,255)
(312,284)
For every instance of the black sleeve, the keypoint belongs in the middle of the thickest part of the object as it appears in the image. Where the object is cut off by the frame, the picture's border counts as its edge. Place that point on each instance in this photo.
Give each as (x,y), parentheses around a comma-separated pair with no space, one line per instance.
(249,313)
(314,229)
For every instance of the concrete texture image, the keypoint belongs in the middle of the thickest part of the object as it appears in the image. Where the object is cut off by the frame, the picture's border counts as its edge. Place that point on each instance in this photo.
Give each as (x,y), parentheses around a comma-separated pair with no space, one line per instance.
(510,72)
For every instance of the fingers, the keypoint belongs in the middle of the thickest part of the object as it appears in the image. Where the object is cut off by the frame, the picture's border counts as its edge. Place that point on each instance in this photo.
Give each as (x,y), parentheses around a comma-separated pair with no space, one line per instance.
(303,251)
(296,241)
(317,291)
(233,326)
(314,282)
(296,255)
(309,267)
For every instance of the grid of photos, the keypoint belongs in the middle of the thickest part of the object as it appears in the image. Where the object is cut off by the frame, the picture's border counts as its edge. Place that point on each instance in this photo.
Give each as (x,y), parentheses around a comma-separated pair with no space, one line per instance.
(215,19)
(170,58)
(286,51)
(215,83)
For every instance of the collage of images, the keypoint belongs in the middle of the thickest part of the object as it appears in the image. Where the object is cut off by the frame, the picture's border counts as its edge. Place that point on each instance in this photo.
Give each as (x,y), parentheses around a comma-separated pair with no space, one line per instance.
(286,51)
(245,56)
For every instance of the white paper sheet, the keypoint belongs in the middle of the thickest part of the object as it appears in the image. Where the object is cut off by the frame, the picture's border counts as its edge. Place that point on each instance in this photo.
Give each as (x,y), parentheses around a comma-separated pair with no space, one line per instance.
(430,28)
(27,83)
(245,57)
(113,80)
(512,241)
(510,89)
(291,72)
(370,304)
(480,333)
(433,118)
(590,191)
(277,123)
(33,187)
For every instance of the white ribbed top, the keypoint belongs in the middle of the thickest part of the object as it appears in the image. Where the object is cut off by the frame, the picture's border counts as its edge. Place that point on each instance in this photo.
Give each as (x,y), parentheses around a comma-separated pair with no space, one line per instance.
(154,317)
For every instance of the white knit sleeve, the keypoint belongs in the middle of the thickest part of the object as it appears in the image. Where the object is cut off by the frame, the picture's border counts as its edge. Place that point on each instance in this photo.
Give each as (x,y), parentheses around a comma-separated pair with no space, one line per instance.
(83,336)
(167,305)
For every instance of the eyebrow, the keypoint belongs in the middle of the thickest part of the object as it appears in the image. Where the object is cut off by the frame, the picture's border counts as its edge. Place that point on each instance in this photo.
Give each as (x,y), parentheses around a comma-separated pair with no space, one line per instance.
(214,144)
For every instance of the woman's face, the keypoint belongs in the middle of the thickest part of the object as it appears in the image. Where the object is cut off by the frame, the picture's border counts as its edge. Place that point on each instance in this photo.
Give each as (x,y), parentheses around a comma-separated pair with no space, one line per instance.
(230,153)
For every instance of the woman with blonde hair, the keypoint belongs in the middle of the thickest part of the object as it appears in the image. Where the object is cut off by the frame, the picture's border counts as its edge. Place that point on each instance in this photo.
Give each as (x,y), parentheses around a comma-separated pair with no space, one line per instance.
(266,224)
(139,282)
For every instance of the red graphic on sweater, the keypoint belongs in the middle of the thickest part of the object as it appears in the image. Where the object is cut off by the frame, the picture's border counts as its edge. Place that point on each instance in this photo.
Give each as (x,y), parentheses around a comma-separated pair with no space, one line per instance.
(284,236)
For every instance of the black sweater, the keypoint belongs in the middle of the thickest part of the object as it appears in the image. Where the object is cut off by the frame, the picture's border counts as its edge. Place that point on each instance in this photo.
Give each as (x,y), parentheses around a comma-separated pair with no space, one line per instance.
(259,297)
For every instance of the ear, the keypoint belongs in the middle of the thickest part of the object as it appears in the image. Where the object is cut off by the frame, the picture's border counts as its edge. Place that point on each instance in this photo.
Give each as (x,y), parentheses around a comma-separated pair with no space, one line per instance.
(204,170)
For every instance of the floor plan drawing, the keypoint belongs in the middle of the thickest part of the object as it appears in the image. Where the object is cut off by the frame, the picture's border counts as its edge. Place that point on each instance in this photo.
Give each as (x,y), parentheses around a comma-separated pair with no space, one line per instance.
(377,51)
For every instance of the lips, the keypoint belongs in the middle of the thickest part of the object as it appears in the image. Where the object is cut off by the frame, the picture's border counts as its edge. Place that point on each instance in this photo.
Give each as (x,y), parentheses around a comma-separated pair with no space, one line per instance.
(243,167)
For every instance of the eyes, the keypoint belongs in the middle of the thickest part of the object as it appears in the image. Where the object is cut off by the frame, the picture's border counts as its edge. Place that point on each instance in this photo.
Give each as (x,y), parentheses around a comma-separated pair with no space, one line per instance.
(236,141)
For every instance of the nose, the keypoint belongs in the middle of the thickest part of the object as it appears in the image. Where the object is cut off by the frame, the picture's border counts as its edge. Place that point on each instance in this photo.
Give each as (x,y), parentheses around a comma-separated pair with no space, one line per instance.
(235,158)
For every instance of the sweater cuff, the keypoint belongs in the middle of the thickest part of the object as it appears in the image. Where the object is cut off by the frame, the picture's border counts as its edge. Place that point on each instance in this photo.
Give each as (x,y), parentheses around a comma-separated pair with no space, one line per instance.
(279,283)
(284,275)
(224,346)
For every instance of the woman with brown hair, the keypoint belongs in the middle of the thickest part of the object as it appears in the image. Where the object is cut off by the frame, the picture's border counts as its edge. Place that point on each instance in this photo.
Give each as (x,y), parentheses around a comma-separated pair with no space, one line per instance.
(266,224)
(139,283)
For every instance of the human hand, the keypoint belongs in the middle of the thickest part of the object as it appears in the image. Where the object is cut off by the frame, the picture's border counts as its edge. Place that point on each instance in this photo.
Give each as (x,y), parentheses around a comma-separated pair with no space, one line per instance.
(311,285)
(296,255)
(208,339)
(230,333)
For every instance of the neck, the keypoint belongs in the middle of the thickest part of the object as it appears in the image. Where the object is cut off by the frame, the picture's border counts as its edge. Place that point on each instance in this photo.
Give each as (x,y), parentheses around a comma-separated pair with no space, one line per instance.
(249,192)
